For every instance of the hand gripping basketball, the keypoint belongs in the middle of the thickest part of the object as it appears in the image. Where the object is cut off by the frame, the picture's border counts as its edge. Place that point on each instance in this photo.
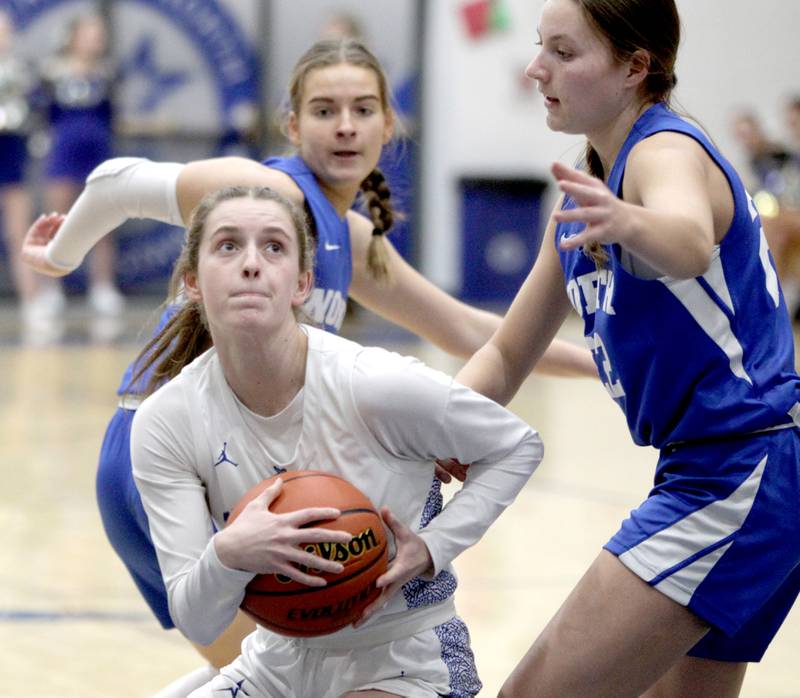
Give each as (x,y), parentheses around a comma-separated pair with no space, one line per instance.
(267,543)
(318,524)
(412,558)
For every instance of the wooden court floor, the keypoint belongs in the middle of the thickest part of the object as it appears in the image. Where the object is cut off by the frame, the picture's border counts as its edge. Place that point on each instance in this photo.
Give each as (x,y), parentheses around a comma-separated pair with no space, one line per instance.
(72,623)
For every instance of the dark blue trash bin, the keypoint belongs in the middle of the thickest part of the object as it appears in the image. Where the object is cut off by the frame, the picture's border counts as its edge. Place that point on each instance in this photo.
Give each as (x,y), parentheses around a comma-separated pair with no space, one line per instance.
(502,232)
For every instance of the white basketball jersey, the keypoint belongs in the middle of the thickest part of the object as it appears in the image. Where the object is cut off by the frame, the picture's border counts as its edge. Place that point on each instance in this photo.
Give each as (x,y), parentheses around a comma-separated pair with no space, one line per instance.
(373,417)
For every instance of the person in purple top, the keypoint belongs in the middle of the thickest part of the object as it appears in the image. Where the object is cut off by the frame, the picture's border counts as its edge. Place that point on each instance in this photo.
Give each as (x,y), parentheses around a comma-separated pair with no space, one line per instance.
(17,85)
(78,83)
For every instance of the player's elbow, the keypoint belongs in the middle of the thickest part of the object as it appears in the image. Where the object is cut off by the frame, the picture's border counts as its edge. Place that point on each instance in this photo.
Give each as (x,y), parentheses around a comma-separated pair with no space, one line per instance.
(535,449)
(697,255)
(196,632)
(195,625)
(695,264)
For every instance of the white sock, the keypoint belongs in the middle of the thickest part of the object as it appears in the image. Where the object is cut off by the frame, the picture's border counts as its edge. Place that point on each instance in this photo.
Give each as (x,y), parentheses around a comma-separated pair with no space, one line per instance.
(184,685)
(115,191)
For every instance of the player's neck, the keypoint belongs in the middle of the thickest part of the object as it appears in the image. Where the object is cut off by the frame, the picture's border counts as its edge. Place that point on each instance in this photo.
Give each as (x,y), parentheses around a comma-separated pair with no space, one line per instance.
(266,374)
(341,196)
(609,141)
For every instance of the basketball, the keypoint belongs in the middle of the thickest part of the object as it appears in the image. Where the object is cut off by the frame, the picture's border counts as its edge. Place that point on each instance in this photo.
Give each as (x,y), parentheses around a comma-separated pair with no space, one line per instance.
(290,608)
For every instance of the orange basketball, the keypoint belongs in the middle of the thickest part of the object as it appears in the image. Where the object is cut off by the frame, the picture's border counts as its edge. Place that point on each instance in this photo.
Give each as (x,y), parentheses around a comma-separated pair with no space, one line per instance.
(290,608)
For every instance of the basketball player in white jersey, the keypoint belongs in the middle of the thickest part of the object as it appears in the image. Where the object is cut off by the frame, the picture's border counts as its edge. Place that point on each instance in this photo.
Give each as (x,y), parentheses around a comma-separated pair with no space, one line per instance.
(274,395)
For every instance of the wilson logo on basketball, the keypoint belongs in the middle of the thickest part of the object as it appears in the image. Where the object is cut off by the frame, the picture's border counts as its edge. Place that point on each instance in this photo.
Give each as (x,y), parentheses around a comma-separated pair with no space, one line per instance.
(295,609)
(338,552)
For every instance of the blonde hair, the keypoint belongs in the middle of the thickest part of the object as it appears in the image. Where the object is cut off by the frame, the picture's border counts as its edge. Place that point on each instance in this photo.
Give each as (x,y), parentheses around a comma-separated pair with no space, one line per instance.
(375,191)
(186,334)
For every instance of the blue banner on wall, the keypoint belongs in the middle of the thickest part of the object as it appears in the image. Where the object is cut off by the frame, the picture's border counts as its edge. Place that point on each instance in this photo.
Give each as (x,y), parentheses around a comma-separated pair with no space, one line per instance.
(217,62)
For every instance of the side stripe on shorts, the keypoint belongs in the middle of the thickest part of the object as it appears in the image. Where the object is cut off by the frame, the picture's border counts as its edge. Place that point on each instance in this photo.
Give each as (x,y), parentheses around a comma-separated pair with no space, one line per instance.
(687,551)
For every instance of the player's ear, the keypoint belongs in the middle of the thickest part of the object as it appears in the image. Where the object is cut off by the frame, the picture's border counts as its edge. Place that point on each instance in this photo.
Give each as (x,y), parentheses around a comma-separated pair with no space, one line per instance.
(305,282)
(638,67)
(191,288)
(293,129)
(389,125)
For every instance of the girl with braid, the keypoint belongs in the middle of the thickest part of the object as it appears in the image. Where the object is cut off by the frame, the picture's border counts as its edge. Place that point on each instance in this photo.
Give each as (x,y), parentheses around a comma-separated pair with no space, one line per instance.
(339,120)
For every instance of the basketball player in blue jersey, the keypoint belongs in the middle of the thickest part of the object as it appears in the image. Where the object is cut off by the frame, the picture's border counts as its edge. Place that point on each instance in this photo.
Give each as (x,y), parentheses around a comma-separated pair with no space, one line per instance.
(663,257)
(340,118)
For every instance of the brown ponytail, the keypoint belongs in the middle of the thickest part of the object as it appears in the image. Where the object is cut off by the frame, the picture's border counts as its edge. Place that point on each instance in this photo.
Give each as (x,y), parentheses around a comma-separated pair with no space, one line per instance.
(180,342)
(594,250)
(378,200)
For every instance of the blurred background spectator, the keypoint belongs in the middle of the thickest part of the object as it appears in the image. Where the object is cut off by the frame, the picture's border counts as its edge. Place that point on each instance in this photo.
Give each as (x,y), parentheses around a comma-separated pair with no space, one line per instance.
(78,87)
(17,83)
(774,183)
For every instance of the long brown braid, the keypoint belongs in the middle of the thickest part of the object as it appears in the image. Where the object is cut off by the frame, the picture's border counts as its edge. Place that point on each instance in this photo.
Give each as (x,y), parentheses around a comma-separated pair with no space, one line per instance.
(185,336)
(378,200)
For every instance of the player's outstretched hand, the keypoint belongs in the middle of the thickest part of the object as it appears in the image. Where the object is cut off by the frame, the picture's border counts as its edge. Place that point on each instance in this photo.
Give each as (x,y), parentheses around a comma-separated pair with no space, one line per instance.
(411,559)
(449,468)
(604,214)
(266,543)
(42,230)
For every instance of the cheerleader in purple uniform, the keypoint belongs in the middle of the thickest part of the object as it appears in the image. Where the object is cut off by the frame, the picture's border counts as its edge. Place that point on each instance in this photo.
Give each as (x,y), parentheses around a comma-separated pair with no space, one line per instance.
(79,84)
(17,82)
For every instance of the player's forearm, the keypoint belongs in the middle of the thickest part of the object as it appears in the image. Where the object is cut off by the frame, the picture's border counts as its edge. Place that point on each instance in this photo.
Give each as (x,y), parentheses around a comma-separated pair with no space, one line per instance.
(116,191)
(504,452)
(203,594)
(489,489)
(565,359)
(205,600)
(486,374)
(473,331)
(676,245)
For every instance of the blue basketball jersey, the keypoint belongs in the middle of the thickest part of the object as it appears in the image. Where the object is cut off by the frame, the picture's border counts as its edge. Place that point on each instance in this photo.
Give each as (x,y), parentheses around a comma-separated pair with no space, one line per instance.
(333,266)
(689,359)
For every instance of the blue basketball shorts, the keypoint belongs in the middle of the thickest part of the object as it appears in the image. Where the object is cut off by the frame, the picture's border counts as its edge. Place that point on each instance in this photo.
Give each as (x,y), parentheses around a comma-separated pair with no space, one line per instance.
(720,534)
(124,518)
